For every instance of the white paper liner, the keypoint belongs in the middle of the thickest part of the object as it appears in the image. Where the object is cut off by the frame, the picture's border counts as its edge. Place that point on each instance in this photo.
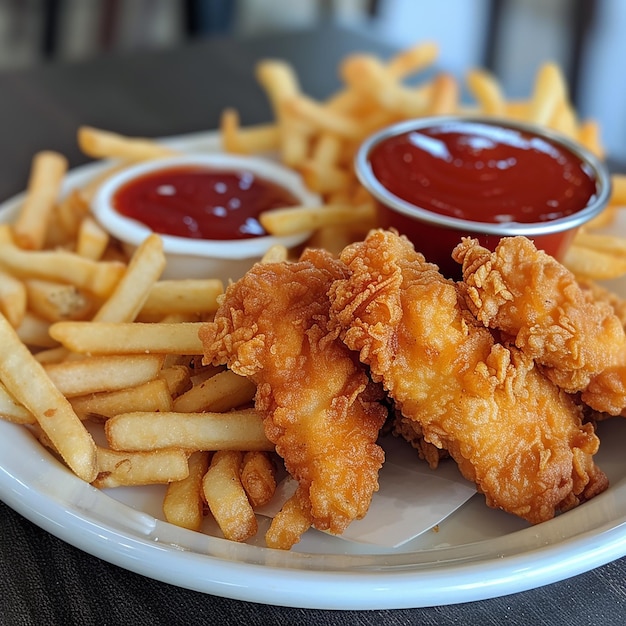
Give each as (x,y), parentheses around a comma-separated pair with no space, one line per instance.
(411,498)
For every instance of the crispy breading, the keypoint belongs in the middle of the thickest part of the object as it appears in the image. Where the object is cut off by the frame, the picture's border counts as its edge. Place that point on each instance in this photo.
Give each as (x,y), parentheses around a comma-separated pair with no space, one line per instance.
(511,431)
(322,411)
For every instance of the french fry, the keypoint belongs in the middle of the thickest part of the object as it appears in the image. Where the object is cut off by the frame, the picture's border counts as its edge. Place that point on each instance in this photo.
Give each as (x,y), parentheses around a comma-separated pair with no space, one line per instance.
(132,290)
(128,337)
(444,98)
(151,396)
(276,254)
(258,477)
(187,296)
(33,332)
(618,192)
(54,301)
(91,240)
(69,213)
(226,497)
(177,378)
(44,186)
(589,136)
(301,219)
(98,277)
(249,140)
(102,144)
(281,83)
(12,298)
(80,377)
(412,60)
(593,264)
(485,88)
(609,244)
(291,522)
(235,430)
(221,392)
(550,89)
(184,503)
(32,388)
(124,469)
(13,411)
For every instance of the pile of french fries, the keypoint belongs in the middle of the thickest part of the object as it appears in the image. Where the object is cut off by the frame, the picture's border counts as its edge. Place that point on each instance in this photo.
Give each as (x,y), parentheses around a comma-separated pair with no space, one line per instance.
(101,357)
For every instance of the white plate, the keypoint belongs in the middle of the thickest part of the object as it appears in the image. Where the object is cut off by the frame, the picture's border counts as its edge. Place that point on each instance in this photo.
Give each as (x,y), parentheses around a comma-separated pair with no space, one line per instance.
(476,553)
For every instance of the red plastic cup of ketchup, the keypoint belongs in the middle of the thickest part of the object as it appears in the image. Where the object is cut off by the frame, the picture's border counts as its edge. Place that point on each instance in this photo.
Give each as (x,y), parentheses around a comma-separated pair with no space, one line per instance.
(439,179)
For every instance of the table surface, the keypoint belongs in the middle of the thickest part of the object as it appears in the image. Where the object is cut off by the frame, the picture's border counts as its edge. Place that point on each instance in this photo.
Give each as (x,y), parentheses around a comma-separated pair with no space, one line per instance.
(46,581)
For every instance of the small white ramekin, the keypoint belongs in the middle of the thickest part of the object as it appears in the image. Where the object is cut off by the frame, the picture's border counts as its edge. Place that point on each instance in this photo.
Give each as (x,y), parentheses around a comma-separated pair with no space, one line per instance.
(201,258)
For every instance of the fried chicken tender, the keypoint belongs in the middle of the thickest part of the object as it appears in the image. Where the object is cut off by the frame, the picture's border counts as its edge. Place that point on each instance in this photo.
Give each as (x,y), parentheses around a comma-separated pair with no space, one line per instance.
(528,295)
(511,431)
(322,410)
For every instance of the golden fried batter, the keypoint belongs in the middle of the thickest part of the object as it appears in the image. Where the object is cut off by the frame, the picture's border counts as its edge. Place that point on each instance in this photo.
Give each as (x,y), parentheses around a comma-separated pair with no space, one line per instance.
(322,410)
(525,293)
(511,431)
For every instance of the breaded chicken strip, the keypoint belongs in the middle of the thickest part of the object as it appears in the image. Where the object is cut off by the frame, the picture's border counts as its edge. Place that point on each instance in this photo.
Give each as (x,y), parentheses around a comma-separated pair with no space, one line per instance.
(511,431)
(528,295)
(322,409)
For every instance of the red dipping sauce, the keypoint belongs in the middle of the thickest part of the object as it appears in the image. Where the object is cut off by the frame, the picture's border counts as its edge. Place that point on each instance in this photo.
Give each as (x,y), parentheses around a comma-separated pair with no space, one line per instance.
(201,203)
(439,179)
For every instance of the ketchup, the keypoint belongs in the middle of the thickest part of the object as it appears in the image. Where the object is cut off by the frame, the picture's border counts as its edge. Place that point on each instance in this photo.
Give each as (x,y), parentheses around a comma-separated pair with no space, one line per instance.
(483,173)
(201,203)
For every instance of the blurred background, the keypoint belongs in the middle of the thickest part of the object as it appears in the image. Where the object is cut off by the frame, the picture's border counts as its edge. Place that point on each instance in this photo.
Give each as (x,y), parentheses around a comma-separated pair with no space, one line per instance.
(512,38)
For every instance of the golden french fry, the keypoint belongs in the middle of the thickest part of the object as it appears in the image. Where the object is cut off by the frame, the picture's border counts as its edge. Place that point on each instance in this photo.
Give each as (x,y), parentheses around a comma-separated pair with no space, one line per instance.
(132,290)
(276,254)
(288,526)
(177,378)
(183,503)
(444,96)
(604,218)
(98,277)
(593,264)
(122,469)
(550,89)
(248,140)
(151,396)
(618,191)
(258,477)
(186,296)
(412,60)
(589,136)
(69,213)
(13,411)
(322,118)
(564,120)
(128,337)
(78,377)
(226,497)
(609,244)
(235,430)
(368,76)
(102,144)
(485,88)
(281,83)
(92,240)
(301,219)
(32,388)
(33,332)
(54,301)
(221,392)
(44,186)
(12,299)
(325,179)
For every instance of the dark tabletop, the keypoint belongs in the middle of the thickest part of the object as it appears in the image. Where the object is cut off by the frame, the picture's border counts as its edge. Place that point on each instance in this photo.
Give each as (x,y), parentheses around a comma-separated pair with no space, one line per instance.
(43,580)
